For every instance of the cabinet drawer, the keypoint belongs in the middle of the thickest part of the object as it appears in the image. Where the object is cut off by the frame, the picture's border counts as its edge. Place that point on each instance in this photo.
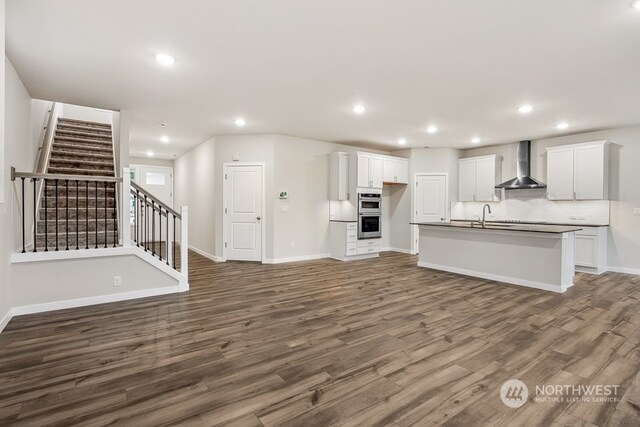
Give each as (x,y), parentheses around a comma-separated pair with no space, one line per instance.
(369,242)
(352,236)
(368,250)
(352,249)
(352,226)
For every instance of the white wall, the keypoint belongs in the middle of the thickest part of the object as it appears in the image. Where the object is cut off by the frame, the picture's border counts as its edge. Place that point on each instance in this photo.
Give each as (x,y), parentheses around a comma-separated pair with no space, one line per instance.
(88,114)
(299,166)
(5,304)
(150,161)
(624,175)
(195,170)
(47,282)
(20,151)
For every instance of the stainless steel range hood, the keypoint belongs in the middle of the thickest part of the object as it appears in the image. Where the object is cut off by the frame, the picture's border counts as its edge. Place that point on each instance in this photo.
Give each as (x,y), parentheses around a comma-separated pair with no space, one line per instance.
(523,177)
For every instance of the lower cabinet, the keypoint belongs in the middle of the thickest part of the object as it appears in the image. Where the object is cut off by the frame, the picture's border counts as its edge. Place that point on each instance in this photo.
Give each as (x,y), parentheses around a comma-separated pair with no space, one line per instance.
(591,250)
(345,245)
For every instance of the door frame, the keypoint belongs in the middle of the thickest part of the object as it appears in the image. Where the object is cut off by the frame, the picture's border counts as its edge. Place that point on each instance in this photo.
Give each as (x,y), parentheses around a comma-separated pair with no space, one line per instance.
(225,169)
(414,228)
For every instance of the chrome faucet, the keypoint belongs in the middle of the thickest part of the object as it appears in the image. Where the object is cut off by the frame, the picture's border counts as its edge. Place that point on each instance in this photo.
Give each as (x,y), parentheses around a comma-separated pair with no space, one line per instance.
(484,211)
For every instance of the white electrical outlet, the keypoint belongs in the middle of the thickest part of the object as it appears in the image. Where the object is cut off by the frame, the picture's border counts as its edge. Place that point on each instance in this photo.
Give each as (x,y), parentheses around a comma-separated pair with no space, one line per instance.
(293,245)
(284,208)
(636,211)
(582,217)
(573,217)
(117,281)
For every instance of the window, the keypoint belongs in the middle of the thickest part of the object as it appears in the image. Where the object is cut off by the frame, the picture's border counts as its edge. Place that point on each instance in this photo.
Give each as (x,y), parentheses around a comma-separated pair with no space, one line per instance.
(155,178)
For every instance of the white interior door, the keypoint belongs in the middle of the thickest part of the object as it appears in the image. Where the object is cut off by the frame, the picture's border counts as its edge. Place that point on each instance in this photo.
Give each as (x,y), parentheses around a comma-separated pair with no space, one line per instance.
(430,200)
(243,212)
(157,180)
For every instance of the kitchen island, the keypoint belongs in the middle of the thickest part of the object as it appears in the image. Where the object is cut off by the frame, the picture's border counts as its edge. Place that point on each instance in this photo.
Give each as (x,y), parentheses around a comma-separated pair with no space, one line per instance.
(536,256)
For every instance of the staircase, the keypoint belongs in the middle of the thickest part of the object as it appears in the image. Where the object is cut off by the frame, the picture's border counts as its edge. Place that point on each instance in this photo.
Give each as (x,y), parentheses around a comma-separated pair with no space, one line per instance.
(86,214)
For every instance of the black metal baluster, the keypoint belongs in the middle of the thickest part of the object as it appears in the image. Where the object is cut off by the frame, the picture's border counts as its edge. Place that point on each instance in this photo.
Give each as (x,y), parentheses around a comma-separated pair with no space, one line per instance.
(77,220)
(86,214)
(160,231)
(46,215)
(174,241)
(95,198)
(167,237)
(23,236)
(56,214)
(146,223)
(125,223)
(136,198)
(35,222)
(153,227)
(66,190)
(106,226)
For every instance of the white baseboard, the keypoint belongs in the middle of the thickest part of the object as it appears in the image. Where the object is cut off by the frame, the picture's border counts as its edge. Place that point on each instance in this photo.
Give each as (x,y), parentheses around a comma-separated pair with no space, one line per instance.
(206,254)
(624,270)
(390,249)
(101,299)
(294,259)
(497,278)
(6,319)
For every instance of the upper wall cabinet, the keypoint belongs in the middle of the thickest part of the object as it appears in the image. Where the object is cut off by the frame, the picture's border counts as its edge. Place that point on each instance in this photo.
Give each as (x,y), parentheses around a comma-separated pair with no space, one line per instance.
(578,172)
(339,176)
(478,177)
(395,170)
(368,169)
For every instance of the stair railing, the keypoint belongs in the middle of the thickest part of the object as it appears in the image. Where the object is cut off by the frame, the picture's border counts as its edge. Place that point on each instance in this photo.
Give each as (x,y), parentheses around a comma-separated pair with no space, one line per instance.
(155,227)
(144,220)
(74,231)
(44,151)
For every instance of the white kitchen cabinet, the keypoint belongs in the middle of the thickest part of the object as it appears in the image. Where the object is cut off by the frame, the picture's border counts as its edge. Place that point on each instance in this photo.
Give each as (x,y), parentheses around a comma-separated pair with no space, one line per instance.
(368,170)
(345,245)
(560,174)
(477,178)
(591,250)
(339,176)
(395,170)
(578,171)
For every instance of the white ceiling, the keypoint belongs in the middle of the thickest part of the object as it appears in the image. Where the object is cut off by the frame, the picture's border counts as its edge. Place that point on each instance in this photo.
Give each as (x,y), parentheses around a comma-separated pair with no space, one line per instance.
(297,67)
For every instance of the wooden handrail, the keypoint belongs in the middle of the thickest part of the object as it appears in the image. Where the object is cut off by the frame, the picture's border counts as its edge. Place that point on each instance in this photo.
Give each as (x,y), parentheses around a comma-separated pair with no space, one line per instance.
(47,140)
(173,212)
(52,176)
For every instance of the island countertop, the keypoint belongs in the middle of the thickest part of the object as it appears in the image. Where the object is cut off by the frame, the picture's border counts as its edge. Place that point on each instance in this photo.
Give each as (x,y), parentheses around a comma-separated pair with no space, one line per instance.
(533,228)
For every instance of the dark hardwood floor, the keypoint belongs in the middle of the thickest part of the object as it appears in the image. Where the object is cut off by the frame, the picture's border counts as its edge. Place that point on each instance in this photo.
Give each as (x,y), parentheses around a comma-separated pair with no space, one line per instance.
(320,343)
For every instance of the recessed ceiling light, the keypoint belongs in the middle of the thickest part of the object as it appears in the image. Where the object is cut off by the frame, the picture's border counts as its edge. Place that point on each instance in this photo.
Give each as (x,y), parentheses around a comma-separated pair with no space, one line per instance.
(359,109)
(150,153)
(562,125)
(165,59)
(636,5)
(432,129)
(525,109)
(240,122)
(475,140)
(402,141)
(164,139)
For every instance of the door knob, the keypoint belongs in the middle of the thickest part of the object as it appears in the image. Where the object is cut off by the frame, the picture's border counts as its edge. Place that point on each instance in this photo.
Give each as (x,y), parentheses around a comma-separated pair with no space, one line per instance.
(258,218)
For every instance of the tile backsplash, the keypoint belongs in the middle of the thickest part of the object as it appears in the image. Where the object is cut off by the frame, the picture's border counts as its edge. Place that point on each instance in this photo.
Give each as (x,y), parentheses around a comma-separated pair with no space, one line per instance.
(531,205)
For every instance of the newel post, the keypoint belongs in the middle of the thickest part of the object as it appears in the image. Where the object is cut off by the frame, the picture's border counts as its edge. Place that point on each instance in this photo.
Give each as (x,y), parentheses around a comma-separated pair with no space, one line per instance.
(125,204)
